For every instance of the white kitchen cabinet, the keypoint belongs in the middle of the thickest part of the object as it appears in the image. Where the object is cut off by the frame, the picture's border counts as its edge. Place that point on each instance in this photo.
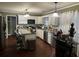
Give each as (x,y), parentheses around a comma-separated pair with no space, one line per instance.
(36,21)
(40,33)
(23,20)
(53,21)
(39,20)
(49,38)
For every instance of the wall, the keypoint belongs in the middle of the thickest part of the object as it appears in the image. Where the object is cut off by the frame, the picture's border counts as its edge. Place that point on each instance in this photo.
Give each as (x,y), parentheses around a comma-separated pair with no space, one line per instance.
(24,19)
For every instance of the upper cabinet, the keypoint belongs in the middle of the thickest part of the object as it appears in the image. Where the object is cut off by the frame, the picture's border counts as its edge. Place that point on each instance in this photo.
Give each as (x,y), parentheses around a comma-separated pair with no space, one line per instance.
(24,20)
(39,20)
(50,20)
(47,20)
(54,21)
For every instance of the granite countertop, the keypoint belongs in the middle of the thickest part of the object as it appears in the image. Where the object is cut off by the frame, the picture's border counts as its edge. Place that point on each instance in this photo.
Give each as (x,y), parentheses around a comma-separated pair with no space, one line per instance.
(25,31)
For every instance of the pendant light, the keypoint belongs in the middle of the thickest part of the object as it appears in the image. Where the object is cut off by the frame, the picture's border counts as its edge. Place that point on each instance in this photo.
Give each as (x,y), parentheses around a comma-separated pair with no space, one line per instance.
(55,14)
(26,14)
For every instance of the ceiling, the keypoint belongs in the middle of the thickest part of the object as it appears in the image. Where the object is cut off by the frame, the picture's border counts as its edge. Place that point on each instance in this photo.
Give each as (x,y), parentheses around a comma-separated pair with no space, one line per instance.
(34,8)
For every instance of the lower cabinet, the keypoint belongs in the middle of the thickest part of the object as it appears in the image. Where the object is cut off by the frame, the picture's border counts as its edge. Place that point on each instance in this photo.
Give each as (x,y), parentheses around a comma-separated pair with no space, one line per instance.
(40,33)
(45,36)
(48,37)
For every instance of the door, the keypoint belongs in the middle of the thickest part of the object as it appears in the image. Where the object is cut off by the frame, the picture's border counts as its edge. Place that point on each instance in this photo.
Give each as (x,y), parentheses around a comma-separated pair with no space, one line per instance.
(11,24)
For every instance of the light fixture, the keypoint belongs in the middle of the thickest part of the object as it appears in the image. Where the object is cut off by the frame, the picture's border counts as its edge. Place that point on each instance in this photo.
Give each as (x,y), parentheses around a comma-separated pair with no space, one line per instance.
(26,14)
(55,14)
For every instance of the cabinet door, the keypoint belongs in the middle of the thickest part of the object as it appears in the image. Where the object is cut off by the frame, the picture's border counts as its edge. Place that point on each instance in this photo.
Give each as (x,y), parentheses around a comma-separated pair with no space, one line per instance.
(39,20)
(37,32)
(54,21)
(40,33)
(36,21)
(49,38)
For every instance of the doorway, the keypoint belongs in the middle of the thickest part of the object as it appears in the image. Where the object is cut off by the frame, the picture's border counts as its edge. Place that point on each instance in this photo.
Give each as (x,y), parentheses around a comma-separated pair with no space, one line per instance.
(12,22)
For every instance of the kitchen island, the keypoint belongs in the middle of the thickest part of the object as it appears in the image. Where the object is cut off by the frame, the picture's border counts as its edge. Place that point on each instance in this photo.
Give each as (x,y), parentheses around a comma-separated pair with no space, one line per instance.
(26,39)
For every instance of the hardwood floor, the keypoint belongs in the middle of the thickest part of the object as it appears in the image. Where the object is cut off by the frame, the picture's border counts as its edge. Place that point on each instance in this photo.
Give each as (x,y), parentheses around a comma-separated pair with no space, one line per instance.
(42,49)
